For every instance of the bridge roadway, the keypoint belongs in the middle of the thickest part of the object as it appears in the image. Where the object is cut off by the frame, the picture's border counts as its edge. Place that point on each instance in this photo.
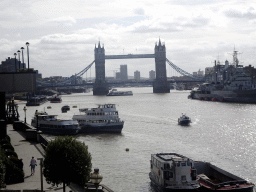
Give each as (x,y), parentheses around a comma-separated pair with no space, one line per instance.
(145,82)
(130,56)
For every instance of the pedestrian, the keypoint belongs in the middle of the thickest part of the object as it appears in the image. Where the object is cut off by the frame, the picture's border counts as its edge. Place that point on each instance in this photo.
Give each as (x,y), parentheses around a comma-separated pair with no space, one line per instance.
(32,165)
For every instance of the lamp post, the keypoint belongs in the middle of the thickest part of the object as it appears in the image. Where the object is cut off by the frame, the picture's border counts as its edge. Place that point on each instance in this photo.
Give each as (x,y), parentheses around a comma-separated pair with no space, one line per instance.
(41,172)
(22,56)
(19,58)
(25,109)
(15,62)
(96,178)
(27,44)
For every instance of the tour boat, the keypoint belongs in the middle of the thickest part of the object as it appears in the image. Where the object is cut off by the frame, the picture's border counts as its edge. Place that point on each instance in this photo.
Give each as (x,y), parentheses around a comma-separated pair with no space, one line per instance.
(184,120)
(50,124)
(211,177)
(114,92)
(104,118)
(56,99)
(173,172)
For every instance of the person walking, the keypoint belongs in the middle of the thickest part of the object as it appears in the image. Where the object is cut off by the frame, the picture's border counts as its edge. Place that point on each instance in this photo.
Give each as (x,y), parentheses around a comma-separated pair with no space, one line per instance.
(32,165)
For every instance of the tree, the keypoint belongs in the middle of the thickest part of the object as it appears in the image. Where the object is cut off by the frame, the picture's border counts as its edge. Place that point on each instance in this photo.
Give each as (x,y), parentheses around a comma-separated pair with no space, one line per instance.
(67,160)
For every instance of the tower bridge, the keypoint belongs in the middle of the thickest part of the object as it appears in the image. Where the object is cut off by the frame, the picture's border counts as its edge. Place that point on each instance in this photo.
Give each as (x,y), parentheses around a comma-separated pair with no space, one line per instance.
(130,56)
(160,85)
(101,87)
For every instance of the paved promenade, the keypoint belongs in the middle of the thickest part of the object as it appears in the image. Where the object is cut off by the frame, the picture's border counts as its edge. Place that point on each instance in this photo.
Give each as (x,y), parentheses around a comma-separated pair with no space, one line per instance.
(25,150)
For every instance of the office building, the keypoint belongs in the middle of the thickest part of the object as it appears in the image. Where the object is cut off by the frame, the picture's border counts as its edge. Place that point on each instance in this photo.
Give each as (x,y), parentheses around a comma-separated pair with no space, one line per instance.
(137,75)
(152,75)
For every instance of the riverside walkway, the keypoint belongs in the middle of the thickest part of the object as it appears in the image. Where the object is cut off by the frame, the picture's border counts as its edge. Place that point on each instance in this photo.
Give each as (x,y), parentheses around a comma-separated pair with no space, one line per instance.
(25,150)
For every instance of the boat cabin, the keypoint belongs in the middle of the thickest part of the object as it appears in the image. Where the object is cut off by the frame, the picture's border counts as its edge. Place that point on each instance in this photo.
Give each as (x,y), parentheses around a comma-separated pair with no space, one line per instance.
(171,169)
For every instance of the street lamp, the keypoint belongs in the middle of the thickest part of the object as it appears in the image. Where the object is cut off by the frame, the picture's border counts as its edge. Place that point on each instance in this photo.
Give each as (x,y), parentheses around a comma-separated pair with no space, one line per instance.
(15,62)
(25,109)
(96,178)
(19,58)
(41,173)
(27,44)
(22,56)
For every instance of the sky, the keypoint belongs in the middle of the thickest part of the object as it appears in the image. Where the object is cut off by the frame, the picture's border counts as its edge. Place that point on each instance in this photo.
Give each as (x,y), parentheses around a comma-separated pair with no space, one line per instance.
(63,33)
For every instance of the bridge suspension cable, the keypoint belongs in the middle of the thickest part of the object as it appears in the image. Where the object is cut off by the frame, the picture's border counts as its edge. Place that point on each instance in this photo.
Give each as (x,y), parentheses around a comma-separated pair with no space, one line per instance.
(182,72)
(70,78)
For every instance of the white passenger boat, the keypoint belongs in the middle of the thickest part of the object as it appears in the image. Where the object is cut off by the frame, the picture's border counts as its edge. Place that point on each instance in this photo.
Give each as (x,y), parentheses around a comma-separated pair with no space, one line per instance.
(114,92)
(104,118)
(50,124)
(173,172)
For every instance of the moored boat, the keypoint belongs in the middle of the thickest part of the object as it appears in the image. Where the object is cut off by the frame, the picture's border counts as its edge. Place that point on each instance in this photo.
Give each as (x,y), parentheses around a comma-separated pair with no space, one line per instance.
(50,124)
(104,118)
(36,100)
(114,92)
(227,83)
(211,177)
(56,99)
(65,108)
(173,172)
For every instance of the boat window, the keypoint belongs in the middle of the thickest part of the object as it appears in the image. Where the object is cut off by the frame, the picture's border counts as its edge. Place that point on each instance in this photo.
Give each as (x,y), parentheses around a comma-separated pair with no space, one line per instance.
(155,162)
(158,164)
(170,174)
(166,166)
(183,164)
(183,178)
(178,164)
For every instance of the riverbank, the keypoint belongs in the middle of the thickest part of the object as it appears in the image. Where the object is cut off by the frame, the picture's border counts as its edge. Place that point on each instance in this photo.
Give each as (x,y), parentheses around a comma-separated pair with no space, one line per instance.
(25,150)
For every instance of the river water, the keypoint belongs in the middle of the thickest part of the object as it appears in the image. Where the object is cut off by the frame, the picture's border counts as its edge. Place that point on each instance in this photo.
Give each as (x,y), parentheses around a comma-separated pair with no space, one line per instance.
(221,133)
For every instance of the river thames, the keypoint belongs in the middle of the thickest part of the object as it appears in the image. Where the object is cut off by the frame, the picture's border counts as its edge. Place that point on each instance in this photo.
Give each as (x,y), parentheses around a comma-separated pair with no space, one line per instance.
(221,133)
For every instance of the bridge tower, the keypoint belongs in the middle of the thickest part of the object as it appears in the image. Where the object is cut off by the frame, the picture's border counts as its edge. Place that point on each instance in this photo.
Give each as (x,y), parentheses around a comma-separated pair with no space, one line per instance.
(100,87)
(160,85)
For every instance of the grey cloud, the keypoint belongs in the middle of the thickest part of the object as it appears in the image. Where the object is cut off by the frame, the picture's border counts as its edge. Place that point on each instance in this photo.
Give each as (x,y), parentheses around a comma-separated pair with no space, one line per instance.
(139,11)
(179,25)
(232,13)
(197,22)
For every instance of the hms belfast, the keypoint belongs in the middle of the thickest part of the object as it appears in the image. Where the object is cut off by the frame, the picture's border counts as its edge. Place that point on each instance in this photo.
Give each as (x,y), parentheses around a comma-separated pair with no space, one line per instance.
(230,83)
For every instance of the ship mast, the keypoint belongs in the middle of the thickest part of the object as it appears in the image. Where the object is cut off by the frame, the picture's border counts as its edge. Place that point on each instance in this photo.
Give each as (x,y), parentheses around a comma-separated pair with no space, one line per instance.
(235,59)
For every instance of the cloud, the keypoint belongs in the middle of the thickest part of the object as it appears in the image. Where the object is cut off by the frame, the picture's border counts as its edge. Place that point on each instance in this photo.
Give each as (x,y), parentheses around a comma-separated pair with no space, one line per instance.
(249,14)
(66,20)
(139,11)
(66,39)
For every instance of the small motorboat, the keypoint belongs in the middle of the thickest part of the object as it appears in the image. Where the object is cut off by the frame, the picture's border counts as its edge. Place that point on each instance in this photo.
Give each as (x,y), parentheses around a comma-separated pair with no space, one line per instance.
(184,120)
(65,108)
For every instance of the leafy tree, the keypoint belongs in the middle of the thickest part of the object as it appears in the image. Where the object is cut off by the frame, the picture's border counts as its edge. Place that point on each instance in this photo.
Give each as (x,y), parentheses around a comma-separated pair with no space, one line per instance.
(2,168)
(66,160)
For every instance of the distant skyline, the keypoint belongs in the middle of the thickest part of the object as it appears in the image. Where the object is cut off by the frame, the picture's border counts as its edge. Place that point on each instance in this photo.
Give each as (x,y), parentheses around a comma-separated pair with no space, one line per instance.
(63,34)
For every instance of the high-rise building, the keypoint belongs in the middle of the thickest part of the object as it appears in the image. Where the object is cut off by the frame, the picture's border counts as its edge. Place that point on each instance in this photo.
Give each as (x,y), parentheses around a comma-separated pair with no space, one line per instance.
(152,75)
(118,75)
(123,72)
(137,75)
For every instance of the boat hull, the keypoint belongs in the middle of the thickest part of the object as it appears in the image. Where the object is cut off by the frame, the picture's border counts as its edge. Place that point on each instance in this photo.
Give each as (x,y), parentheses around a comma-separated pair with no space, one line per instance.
(104,128)
(59,131)
(244,96)
(172,189)
(219,180)
(184,122)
